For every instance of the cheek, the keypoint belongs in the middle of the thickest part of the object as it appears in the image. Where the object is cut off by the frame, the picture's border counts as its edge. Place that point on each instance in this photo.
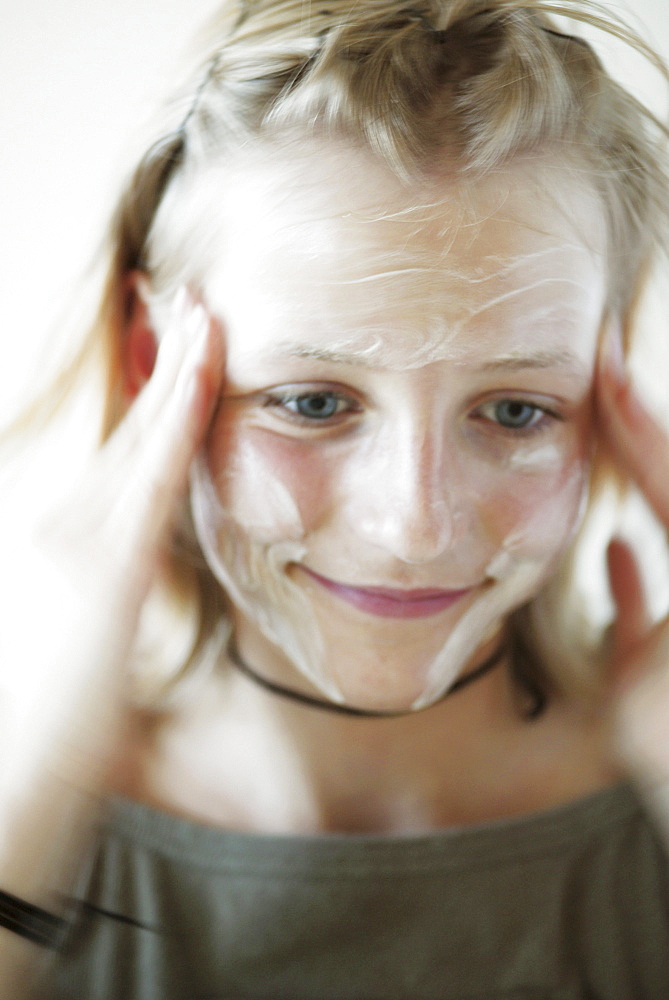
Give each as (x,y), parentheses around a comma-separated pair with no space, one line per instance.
(261,487)
(538,511)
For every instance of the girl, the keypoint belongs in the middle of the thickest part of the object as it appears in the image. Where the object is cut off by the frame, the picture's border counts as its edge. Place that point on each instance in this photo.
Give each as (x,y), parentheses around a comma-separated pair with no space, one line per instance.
(307,622)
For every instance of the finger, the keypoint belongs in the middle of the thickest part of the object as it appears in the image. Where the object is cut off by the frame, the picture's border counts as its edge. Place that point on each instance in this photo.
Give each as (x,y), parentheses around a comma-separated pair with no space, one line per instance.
(632,620)
(185,350)
(637,440)
(152,449)
(640,717)
(179,403)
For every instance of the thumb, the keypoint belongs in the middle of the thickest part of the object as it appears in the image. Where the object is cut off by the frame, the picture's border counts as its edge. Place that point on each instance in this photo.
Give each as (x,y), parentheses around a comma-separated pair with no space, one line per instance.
(632,618)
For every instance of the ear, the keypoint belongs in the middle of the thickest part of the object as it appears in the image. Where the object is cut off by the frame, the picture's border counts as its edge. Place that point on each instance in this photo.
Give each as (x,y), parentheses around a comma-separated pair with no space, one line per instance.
(139,340)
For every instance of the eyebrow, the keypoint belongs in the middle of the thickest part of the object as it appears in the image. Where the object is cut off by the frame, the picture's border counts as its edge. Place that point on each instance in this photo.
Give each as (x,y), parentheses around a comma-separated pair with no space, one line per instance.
(512,362)
(536,359)
(324,354)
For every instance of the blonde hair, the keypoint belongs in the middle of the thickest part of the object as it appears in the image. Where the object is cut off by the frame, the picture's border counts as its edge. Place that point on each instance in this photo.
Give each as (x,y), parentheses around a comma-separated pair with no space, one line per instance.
(482,80)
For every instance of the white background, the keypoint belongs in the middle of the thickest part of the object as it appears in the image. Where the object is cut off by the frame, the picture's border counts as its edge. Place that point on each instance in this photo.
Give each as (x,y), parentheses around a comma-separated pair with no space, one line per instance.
(78,78)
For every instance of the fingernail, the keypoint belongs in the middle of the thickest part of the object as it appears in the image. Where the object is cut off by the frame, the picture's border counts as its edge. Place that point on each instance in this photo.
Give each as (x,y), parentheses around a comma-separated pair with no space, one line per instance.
(179,302)
(143,288)
(613,358)
(626,397)
(196,323)
(195,331)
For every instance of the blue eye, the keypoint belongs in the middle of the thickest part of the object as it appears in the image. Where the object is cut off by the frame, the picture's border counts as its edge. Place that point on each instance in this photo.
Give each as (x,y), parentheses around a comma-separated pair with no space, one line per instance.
(312,407)
(316,405)
(512,414)
(515,414)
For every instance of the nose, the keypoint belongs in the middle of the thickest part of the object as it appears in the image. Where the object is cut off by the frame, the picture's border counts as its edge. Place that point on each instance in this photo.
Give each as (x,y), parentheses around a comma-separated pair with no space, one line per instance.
(410,499)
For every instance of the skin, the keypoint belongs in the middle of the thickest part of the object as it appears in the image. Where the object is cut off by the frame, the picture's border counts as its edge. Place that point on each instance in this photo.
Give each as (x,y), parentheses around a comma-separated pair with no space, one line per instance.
(493,300)
(233,756)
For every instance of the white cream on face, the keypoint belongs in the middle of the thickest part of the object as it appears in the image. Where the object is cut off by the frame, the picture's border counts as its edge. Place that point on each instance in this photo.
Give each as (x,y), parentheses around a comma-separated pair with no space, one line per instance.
(424,319)
(536,456)
(519,568)
(253,574)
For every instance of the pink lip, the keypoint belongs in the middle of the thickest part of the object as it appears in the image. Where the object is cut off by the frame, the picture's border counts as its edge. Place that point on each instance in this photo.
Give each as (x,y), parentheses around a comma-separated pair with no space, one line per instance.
(390,602)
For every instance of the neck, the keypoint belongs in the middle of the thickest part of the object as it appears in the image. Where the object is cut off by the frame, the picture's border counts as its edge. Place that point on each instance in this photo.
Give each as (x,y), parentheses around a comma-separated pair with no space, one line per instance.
(241,757)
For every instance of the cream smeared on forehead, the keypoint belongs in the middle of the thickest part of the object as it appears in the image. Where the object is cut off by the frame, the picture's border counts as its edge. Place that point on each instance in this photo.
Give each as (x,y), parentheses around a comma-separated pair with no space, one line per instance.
(308,228)
(406,348)
(412,318)
(411,278)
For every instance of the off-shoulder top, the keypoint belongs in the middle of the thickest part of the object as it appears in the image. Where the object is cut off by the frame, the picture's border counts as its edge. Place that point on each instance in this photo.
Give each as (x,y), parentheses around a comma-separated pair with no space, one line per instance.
(568,904)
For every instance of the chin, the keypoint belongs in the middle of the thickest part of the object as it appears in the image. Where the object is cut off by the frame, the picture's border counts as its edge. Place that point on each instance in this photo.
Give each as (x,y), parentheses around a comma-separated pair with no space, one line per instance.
(385,679)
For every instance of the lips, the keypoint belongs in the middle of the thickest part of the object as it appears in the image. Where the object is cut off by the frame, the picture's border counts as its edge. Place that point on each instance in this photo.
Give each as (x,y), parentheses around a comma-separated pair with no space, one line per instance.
(390,602)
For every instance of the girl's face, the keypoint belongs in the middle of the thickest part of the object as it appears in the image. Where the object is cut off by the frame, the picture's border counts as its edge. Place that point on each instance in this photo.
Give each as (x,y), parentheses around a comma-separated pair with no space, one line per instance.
(400,454)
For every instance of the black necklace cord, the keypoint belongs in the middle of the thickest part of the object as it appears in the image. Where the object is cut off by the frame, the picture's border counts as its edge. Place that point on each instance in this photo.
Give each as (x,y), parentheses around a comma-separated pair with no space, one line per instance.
(362,713)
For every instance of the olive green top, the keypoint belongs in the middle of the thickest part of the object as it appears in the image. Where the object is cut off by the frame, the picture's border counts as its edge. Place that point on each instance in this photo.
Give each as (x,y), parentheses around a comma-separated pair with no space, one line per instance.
(566,904)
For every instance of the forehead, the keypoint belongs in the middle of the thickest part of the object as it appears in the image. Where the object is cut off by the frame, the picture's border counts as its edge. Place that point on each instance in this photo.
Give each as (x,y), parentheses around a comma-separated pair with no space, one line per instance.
(325,249)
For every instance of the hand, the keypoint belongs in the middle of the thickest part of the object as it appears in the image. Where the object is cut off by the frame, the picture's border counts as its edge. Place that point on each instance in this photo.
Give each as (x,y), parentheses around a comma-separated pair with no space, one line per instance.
(640,654)
(80,577)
